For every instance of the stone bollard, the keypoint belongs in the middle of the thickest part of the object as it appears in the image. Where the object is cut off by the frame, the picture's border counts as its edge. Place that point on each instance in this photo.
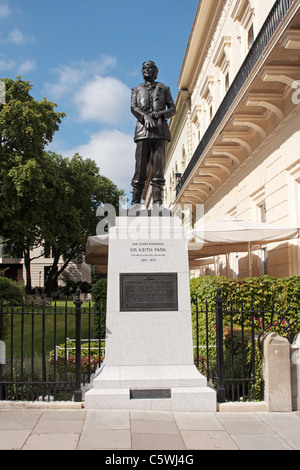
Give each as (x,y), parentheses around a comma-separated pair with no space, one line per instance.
(295,371)
(277,373)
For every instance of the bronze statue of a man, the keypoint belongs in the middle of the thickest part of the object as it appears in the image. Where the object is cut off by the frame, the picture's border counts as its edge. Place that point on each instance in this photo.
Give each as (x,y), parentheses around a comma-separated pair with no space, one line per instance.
(152,104)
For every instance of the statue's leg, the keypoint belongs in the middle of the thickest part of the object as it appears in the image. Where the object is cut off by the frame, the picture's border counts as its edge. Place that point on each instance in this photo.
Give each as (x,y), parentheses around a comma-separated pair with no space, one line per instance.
(158,168)
(142,155)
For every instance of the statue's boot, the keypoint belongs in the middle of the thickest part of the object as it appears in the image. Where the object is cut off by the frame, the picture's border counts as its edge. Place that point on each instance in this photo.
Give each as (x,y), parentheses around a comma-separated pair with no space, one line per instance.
(157,195)
(137,195)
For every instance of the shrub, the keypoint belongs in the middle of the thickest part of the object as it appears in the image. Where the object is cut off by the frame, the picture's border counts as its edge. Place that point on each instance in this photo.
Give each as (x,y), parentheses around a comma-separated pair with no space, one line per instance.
(11,292)
(90,357)
(244,300)
(28,379)
(99,291)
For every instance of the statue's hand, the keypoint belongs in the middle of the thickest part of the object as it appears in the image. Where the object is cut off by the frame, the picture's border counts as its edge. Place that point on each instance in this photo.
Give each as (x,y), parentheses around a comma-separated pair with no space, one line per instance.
(149,122)
(157,114)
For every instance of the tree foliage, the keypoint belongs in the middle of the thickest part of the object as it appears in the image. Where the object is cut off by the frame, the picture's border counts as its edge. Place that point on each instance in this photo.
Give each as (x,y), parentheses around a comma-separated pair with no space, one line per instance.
(44,198)
(26,127)
(77,190)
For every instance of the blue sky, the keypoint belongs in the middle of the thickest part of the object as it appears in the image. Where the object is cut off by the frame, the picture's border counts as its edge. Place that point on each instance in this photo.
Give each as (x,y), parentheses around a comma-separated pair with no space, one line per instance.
(86,57)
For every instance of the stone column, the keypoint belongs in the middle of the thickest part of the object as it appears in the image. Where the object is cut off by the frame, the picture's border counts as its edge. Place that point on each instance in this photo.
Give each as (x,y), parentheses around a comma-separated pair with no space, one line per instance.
(277,373)
(295,371)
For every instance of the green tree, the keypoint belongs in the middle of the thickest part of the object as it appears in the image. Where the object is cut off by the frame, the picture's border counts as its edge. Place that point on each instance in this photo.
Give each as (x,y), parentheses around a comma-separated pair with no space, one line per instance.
(76,189)
(45,198)
(27,126)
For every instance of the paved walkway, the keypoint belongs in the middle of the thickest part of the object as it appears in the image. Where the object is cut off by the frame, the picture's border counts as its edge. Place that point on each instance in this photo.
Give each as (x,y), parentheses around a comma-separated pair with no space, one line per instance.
(81,429)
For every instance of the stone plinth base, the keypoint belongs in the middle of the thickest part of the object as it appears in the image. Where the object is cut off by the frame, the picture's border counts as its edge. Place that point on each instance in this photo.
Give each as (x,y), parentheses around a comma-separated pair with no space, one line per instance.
(161,388)
(149,357)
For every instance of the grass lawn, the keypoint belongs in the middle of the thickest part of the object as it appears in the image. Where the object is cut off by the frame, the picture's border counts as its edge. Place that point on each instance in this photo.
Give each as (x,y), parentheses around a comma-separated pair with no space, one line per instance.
(34,327)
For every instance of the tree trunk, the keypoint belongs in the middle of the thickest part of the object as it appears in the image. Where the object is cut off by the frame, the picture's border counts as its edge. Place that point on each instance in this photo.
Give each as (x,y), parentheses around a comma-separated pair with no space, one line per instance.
(51,279)
(55,272)
(28,270)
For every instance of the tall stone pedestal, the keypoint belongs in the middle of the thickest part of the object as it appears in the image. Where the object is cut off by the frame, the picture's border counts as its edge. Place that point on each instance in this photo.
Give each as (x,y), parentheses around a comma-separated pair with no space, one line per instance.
(149,360)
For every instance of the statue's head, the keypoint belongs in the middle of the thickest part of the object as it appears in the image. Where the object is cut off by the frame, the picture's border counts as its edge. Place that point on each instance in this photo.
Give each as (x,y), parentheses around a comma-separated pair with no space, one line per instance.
(149,70)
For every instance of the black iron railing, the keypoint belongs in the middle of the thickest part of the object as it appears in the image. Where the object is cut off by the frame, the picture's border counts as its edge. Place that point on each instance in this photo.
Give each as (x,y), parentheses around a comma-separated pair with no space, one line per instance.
(275,17)
(41,361)
(227,345)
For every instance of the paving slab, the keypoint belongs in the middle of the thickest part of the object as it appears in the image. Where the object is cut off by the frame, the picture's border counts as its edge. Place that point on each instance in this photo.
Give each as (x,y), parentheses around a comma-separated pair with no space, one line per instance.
(227,417)
(292,438)
(63,415)
(107,419)
(152,441)
(13,440)
(281,422)
(60,426)
(261,442)
(246,427)
(154,427)
(208,440)
(49,441)
(101,439)
(19,419)
(151,415)
(198,422)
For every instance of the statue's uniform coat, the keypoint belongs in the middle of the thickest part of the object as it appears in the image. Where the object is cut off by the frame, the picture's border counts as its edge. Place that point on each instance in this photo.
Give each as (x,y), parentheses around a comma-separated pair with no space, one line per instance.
(143,102)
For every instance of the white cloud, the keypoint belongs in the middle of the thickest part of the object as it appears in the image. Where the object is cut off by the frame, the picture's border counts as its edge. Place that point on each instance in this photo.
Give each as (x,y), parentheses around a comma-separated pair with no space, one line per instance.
(98,67)
(113,152)
(4,11)
(68,80)
(17,37)
(70,77)
(19,68)
(103,99)
(27,66)
(7,64)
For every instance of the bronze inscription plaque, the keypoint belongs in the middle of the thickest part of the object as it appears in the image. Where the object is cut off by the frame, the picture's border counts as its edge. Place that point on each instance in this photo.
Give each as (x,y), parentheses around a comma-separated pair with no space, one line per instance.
(148,292)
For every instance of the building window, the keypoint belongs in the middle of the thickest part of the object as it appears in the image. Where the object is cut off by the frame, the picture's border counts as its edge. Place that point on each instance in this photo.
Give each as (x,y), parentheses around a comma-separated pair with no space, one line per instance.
(261,215)
(222,61)
(261,212)
(298,202)
(207,93)
(250,36)
(49,251)
(243,14)
(183,158)
(226,82)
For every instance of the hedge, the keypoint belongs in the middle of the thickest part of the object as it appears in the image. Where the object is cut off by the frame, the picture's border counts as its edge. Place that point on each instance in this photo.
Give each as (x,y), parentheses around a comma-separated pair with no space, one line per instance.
(273,296)
(99,291)
(270,294)
(11,293)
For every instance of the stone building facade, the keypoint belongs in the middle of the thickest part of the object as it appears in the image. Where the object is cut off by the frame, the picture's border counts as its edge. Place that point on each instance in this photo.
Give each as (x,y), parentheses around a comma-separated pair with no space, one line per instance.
(235,145)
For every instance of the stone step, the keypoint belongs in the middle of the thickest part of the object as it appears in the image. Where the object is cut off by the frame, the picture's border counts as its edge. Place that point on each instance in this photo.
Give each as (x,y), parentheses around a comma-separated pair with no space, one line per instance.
(195,399)
(149,377)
